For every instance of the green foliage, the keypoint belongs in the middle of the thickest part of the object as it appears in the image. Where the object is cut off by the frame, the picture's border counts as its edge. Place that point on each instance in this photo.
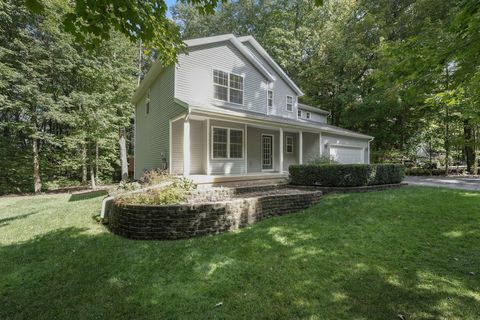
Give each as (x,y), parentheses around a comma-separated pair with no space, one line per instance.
(54,94)
(346,175)
(176,192)
(323,159)
(376,255)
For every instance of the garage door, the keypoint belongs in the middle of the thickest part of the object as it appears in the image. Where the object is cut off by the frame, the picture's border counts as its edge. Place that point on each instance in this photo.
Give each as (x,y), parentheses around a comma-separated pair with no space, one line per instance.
(345,154)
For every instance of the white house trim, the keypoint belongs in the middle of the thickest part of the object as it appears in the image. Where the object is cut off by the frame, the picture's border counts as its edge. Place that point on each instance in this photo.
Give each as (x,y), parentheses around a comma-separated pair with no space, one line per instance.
(273,152)
(186,148)
(246,148)
(281,149)
(271,62)
(300,147)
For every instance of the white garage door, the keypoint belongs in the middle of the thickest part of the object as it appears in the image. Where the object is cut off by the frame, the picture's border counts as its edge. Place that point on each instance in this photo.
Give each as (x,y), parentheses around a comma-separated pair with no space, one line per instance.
(345,154)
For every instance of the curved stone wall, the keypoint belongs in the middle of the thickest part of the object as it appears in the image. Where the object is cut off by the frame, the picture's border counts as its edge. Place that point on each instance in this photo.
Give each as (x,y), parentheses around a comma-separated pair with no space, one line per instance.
(190,220)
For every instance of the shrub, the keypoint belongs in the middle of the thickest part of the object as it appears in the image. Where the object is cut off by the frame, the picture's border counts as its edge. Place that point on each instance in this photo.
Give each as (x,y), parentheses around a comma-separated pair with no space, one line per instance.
(323,159)
(176,192)
(155,176)
(346,175)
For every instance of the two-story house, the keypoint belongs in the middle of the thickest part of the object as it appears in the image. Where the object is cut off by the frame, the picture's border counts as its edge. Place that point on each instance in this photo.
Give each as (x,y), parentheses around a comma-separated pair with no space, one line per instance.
(227,109)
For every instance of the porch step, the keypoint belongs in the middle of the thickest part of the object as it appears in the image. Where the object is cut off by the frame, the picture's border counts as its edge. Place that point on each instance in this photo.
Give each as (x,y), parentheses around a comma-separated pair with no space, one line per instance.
(234,180)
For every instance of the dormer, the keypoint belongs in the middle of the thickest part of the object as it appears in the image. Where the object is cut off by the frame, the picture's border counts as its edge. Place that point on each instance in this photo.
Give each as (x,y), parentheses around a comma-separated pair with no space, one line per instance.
(309,113)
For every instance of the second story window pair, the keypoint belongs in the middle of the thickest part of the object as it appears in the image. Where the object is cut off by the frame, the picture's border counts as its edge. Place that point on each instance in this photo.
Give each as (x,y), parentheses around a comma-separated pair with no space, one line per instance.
(228,87)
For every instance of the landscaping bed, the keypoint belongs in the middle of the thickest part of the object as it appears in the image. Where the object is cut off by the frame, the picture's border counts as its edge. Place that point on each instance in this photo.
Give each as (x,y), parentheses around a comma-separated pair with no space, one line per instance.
(197,217)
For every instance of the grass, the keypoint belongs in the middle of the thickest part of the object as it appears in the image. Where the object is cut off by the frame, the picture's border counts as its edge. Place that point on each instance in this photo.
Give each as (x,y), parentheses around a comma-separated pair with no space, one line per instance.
(382,255)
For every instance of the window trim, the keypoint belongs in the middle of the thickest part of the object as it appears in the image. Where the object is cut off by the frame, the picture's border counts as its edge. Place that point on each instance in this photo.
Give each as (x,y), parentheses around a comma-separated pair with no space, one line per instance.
(270,107)
(286,105)
(299,113)
(228,87)
(308,115)
(288,137)
(228,143)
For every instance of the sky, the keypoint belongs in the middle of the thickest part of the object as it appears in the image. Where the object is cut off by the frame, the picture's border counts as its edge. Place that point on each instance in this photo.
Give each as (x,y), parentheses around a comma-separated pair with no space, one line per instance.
(169,4)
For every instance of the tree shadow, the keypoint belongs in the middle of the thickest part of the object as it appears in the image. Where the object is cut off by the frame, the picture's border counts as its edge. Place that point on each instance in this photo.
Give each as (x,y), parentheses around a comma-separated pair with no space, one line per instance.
(4,221)
(87,195)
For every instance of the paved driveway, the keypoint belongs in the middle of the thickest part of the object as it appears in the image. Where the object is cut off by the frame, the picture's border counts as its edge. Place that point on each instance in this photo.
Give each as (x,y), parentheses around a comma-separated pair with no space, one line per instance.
(465,183)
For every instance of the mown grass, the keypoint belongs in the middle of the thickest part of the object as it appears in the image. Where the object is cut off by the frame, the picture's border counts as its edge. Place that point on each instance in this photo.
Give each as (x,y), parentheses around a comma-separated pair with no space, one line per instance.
(411,253)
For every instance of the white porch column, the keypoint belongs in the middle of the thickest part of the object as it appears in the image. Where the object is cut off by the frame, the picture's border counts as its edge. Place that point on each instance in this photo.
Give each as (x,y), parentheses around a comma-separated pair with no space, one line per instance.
(320,151)
(281,149)
(300,147)
(207,160)
(245,136)
(186,148)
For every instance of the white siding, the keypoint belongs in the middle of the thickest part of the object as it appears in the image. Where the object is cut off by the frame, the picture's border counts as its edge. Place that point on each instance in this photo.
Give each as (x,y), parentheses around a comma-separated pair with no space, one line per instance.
(329,140)
(194,76)
(310,146)
(315,117)
(177,147)
(226,166)
(152,129)
(280,89)
(290,158)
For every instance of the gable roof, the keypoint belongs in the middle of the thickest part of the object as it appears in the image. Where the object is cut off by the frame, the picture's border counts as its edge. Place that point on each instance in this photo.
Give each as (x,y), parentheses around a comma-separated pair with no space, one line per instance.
(271,62)
(237,44)
(313,109)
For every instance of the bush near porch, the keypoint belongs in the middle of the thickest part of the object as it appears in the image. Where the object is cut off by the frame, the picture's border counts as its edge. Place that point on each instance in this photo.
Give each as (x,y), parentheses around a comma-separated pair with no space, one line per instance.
(346,175)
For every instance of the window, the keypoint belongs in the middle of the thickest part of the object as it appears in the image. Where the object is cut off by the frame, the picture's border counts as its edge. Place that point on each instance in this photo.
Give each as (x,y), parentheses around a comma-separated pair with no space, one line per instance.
(289,103)
(220,138)
(227,87)
(220,85)
(147,103)
(269,98)
(308,115)
(236,143)
(289,144)
(299,113)
(227,143)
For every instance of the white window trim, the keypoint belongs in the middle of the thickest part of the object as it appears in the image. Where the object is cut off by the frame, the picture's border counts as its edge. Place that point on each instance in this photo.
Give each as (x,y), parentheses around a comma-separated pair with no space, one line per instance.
(288,137)
(228,143)
(273,100)
(286,105)
(228,87)
(273,151)
(308,115)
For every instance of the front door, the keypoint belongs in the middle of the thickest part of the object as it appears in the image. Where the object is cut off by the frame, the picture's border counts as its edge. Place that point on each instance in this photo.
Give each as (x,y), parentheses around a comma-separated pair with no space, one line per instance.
(267,152)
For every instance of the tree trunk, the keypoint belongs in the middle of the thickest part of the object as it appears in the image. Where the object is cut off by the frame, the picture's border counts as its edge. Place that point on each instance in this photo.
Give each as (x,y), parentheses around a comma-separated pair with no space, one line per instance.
(447,126)
(123,153)
(468,145)
(92,170)
(96,161)
(84,164)
(37,182)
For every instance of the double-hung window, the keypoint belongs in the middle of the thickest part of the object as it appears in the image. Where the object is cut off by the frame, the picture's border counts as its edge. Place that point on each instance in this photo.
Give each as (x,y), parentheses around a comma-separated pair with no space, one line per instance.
(299,113)
(270,98)
(147,103)
(308,115)
(227,143)
(289,144)
(228,87)
(289,103)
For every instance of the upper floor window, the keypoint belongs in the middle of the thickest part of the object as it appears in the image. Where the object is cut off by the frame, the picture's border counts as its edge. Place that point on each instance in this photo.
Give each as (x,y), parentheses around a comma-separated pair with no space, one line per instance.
(269,98)
(308,115)
(227,87)
(299,113)
(289,103)
(147,103)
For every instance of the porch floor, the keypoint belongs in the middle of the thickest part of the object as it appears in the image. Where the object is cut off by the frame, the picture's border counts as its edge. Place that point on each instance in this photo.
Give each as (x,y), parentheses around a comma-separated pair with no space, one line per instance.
(246,179)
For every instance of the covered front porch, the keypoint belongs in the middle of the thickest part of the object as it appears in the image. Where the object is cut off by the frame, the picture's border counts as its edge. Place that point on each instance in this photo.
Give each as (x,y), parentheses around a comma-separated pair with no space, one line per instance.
(215,149)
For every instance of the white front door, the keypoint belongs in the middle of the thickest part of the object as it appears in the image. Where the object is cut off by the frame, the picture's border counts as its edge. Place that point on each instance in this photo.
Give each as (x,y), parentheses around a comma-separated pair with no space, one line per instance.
(267,152)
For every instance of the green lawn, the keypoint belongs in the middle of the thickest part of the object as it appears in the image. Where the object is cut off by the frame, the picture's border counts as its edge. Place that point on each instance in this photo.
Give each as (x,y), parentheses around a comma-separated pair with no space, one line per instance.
(378,255)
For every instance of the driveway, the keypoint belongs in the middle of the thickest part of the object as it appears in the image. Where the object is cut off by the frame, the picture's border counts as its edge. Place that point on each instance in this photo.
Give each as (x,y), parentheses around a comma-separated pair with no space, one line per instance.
(465,183)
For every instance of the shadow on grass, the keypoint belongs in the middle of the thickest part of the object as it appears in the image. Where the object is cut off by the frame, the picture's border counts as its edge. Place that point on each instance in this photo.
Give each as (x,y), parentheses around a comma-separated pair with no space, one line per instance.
(360,262)
(87,195)
(3,222)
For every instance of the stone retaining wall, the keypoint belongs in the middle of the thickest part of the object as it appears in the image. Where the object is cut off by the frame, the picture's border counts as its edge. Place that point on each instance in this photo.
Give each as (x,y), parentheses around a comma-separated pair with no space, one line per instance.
(189,220)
